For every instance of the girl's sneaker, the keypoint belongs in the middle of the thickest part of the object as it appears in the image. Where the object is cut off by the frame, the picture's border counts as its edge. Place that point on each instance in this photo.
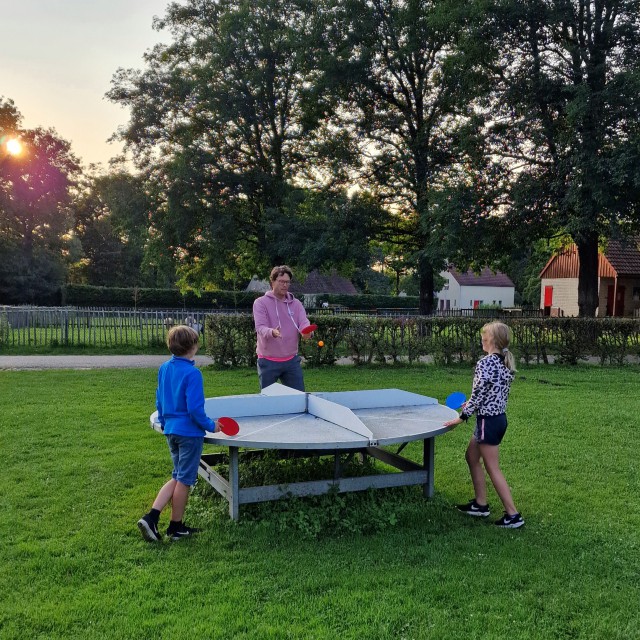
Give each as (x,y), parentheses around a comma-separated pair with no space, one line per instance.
(472,508)
(510,522)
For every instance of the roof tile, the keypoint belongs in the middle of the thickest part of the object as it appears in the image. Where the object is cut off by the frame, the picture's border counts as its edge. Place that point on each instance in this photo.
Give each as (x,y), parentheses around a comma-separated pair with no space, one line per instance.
(486,278)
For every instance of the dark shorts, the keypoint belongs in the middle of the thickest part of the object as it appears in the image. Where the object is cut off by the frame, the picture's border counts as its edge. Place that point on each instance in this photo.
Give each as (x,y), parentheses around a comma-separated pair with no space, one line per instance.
(185,453)
(289,373)
(490,429)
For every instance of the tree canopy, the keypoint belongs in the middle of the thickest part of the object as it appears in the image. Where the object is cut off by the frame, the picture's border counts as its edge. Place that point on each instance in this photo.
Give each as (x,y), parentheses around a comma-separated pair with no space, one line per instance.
(400,134)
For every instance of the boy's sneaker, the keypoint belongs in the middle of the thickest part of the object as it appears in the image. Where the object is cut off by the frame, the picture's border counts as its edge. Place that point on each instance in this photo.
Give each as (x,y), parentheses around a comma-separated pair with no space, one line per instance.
(510,522)
(472,508)
(149,529)
(182,531)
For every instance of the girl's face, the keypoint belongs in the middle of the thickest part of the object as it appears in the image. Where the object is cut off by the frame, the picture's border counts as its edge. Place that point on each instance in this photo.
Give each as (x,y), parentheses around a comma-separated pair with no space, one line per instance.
(488,345)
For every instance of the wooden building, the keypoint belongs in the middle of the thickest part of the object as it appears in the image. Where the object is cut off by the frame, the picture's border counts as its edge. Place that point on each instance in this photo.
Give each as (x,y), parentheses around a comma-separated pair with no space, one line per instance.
(618,280)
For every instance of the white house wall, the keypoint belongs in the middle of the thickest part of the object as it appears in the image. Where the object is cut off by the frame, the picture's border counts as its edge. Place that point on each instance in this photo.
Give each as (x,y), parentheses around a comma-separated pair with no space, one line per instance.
(565,294)
(463,297)
(502,296)
(451,295)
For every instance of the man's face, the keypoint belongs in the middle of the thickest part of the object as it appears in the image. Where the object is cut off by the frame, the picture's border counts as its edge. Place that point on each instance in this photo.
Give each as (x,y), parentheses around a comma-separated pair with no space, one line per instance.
(281,285)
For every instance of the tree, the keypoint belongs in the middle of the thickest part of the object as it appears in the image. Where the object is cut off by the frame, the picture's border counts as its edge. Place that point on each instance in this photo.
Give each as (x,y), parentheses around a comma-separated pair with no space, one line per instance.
(111,224)
(35,192)
(219,120)
(404,93)
(563,119)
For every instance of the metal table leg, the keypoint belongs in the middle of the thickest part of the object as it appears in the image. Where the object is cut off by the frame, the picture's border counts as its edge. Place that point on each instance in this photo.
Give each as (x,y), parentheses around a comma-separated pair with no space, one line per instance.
(428,462)
(234,484)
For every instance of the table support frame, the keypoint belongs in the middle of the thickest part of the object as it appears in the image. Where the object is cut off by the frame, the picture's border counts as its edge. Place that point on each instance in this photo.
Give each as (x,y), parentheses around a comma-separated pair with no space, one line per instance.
(408,473)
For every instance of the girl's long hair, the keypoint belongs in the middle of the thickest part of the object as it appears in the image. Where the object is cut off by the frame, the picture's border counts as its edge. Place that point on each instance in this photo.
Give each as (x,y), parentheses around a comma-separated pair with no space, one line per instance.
(501,335)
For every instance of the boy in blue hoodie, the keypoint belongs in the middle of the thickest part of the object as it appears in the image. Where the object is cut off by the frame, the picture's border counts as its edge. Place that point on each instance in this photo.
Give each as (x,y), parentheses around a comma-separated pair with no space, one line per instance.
(180,405)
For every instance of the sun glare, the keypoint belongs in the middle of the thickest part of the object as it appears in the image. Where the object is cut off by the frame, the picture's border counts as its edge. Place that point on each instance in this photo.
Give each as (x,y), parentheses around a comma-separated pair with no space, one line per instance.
(14,147)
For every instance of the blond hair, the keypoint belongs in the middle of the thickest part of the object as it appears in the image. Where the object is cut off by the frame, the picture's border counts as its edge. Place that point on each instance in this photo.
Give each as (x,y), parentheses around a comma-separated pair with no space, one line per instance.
(501,337)
(181,339)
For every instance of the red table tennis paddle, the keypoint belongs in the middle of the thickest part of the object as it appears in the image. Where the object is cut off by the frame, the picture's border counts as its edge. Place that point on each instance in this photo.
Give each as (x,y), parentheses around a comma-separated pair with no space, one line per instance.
(310,329)
(228,426)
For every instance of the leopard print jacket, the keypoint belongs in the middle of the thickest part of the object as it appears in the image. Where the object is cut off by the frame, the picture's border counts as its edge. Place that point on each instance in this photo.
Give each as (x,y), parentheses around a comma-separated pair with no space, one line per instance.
(491,385)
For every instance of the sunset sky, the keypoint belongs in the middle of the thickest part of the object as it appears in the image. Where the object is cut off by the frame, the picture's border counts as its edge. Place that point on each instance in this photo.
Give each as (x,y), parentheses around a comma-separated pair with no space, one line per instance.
(57,58)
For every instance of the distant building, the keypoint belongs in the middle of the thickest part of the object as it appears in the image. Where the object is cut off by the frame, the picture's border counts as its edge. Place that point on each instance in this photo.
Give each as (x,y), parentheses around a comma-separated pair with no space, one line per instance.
(470,290)
(314,284)
(258,285)
(317,282)
(618,279)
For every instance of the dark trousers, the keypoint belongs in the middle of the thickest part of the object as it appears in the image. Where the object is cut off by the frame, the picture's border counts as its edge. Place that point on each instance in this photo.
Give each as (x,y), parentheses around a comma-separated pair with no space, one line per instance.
(288,373)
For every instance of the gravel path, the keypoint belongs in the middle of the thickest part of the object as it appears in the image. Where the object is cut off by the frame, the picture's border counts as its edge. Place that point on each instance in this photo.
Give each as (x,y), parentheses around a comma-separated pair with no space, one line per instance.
(88,362)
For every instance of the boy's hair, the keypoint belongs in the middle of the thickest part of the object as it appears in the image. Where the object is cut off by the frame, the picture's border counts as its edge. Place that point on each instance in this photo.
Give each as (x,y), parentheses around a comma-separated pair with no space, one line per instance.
(181,339)
(501,336)
(278,271)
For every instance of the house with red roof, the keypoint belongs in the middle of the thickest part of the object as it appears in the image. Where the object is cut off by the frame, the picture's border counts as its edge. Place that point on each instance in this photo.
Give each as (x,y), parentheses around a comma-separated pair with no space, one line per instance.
(470,290)
(618,280)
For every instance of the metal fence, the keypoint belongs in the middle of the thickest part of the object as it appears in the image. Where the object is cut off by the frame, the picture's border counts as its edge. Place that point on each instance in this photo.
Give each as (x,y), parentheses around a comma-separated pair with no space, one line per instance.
(142,328)
(57,326)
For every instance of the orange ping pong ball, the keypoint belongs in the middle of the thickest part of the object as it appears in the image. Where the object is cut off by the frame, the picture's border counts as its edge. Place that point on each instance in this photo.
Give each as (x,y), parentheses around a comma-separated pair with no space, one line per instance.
(320,343)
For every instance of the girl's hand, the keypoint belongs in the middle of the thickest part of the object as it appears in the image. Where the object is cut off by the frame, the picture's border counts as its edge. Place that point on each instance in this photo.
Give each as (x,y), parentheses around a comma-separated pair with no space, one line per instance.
(275,332)
(454,422)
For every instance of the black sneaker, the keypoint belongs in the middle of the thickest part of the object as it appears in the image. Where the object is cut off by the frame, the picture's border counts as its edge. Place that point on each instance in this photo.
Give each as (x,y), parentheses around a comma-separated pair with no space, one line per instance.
(183,531)
(510,522)
(149,529)
(472,508)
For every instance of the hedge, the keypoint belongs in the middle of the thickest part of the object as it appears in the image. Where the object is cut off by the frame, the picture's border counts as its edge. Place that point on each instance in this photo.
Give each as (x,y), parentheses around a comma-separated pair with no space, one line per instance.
(231,339)
(87,295)
(369,301)
(81,295)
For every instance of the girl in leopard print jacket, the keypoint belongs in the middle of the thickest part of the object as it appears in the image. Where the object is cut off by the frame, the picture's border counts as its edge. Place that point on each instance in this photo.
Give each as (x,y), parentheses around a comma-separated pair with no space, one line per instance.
(491,384)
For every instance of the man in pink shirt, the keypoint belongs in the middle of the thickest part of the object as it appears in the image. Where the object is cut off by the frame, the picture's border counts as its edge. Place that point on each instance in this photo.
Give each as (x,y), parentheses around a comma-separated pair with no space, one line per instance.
(279,317)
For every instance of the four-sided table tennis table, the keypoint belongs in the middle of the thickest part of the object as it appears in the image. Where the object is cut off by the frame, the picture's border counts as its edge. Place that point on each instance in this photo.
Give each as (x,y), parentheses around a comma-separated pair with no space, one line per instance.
(294,423)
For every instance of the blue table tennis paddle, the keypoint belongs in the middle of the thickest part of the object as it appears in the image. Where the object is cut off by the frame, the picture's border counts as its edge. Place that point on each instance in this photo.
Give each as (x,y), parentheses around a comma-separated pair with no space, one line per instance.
(455,400)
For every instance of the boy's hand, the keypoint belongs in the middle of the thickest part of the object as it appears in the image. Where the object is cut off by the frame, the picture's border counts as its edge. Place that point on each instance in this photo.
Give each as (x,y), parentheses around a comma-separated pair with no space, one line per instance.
(217,429)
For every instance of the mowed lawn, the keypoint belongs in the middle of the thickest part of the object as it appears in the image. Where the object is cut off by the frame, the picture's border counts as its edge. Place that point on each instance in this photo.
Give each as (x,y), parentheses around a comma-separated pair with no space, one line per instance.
(80,465)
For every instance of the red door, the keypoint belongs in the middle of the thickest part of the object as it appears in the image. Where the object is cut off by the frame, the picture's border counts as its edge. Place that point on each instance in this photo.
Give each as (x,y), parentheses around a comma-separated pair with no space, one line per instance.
(619,310)
(548,297)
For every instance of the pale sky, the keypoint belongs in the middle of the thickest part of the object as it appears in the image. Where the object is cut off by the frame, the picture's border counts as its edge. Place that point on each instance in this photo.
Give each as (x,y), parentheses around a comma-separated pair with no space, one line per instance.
(57,58)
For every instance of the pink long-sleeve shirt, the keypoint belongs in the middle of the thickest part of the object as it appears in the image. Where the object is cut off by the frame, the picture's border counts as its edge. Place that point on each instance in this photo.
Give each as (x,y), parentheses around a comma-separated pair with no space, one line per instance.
(270,313)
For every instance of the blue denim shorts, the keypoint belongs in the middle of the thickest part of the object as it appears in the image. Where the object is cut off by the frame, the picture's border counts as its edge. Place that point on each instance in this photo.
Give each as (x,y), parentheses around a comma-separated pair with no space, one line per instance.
(185,453)
(490,429)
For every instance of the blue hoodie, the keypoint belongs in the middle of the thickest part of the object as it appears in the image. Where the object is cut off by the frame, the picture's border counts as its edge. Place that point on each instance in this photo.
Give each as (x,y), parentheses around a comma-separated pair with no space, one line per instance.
(180,399)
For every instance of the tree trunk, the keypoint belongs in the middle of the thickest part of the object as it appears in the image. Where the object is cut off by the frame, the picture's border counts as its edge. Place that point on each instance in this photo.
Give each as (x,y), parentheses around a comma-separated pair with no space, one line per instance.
(426,288)
(588,300)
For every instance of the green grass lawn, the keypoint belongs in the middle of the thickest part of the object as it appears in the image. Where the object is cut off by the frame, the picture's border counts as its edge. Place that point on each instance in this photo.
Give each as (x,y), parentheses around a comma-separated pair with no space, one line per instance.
(80,465)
